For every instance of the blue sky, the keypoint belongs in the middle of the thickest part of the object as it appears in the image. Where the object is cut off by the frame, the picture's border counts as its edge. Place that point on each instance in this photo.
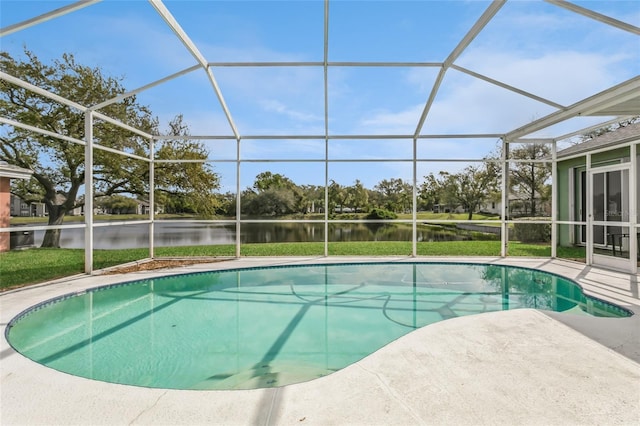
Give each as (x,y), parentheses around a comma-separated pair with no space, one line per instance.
(533,45)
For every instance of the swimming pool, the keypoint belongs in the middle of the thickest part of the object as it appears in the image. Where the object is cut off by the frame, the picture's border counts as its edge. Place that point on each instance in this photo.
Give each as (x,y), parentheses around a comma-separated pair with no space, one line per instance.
(272,326)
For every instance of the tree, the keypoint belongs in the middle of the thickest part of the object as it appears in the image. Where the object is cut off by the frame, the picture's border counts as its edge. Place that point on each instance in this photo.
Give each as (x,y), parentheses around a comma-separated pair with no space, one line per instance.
(226,205)
(272,195)
(529,179)
(338,196)
(59,165)
(430,191)
(358,196)
(469,189)
(313,198)
(193,181)
(118,204)
(610,128)
(396,194)
(267,180)
(375,199)
(270,202)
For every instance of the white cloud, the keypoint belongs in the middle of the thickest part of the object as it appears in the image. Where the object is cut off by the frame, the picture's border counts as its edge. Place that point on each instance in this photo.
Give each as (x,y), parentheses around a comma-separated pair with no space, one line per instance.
(561,76)
(138,48)
(272,105)
(422,78)
(468,105)
(402,122)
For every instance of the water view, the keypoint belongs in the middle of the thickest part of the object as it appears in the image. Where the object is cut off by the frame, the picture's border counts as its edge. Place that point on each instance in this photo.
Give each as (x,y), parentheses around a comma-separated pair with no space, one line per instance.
(190,233)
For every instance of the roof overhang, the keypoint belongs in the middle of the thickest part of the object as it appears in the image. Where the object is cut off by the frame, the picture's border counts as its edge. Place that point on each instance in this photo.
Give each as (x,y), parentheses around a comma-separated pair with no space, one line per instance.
(623,97)
(629,106)
(14,172)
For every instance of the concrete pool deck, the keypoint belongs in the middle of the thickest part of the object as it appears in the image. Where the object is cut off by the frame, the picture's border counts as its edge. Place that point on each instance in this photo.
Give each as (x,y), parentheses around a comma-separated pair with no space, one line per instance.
(512,367)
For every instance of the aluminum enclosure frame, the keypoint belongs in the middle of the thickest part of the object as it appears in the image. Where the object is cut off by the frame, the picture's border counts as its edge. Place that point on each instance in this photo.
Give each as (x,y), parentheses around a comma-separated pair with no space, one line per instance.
(621,99)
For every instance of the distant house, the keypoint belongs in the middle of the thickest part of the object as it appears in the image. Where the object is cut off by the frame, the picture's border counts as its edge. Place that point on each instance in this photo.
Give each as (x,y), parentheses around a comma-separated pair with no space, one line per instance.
(7,173)
(519,206)
(20,208)
(598,183)
(78,211)
(141,207)
(447,208)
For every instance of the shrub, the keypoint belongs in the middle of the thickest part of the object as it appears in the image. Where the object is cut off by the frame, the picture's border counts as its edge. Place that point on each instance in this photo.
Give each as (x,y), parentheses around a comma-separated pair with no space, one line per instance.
(532,232)
(381,214)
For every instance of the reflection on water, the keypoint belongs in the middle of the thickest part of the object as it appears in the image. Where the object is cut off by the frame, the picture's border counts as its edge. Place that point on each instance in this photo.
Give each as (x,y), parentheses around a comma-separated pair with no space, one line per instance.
(137,236)
(179,234)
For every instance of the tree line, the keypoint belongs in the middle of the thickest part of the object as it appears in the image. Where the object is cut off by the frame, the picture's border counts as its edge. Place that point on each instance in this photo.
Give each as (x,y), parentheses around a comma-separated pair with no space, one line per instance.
(274,194)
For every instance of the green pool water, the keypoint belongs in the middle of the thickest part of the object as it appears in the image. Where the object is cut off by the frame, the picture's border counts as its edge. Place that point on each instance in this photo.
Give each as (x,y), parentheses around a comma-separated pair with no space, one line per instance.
(267,327)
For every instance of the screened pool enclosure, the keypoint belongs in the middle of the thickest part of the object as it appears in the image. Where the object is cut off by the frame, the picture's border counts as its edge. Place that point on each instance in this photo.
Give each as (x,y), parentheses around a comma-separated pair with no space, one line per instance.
(347,107)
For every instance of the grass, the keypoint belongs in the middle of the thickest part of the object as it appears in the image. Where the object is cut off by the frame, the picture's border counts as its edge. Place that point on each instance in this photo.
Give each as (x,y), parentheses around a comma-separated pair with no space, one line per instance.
(24,267)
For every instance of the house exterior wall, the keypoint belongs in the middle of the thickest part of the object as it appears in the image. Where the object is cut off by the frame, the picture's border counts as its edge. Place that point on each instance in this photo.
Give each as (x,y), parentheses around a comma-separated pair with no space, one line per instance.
(4,212)
(18,208)
(39,209)
(565,168)
(493,207)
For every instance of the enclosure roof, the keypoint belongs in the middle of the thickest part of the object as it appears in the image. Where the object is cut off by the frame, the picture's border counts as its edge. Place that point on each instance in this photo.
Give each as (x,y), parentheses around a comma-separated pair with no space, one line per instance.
(345,70)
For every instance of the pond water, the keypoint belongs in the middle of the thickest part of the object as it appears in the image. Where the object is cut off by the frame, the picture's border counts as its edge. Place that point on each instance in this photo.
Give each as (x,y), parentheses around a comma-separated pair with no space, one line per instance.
(191,233)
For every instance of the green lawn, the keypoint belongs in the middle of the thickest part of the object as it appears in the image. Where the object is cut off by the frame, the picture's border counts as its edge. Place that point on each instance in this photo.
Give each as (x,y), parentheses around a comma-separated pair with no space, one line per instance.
(24,267)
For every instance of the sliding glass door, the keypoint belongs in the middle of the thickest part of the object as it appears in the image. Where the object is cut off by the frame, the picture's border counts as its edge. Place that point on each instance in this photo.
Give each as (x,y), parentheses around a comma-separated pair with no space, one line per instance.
(608,222)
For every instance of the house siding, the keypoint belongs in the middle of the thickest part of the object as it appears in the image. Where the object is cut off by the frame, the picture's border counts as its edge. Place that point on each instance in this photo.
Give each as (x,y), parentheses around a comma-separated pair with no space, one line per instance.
(565,167)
